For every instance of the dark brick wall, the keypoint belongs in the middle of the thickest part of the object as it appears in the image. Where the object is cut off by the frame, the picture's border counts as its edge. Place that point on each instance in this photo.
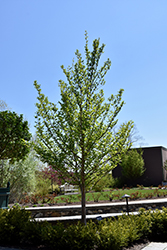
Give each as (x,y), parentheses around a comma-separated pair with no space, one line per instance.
(154,158)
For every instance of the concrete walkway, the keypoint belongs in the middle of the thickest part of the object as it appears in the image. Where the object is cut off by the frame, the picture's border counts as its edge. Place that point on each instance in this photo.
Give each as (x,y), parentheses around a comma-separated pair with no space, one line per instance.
(156,246)
(149,201)
(94,216)
(78,217)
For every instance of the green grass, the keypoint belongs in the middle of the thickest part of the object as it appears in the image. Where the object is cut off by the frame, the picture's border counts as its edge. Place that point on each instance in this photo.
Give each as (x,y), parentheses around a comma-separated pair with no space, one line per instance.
(135,193)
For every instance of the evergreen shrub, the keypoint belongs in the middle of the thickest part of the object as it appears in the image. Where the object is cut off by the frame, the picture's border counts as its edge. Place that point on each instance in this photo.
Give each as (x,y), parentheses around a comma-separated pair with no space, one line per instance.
(114,233)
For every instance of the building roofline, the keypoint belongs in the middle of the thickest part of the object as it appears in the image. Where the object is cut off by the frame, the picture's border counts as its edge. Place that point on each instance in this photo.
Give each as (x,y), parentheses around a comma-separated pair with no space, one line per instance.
(151,147)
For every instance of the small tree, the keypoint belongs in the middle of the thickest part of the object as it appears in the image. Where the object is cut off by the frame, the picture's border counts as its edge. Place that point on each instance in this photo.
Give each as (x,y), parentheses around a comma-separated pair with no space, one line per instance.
(77,135)
(133,164)
(16,163)
(21,175)
(14,136)
(51,174)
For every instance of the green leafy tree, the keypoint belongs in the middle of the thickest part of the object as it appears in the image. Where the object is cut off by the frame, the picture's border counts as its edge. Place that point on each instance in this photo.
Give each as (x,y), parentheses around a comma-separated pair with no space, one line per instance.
(76,136)
(133,164)
(14,136)
(21,174)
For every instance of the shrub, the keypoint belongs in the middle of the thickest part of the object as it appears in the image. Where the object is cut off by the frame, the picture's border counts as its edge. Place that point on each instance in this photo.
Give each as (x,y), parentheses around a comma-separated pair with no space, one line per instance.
(43,185)
(17,228)
(55,188)
(159,224)
(12,224)
(105,182)
(117,182)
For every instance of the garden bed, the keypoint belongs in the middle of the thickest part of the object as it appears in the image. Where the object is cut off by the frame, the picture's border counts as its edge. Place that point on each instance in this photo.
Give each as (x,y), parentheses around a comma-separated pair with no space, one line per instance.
(92,197)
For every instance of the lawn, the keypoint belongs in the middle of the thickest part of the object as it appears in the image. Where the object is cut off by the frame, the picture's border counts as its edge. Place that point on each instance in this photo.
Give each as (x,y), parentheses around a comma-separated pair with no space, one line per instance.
(106,195)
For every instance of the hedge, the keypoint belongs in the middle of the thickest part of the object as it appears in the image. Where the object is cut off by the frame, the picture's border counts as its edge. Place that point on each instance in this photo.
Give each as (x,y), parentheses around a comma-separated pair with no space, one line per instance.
(16,228)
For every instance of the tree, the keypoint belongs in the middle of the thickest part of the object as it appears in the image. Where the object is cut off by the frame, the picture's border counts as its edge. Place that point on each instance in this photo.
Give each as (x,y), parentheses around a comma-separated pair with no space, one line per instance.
(14,136)
(133,164)
(3,105)
(21,175)
(51,174)
(76,136)
(135,138)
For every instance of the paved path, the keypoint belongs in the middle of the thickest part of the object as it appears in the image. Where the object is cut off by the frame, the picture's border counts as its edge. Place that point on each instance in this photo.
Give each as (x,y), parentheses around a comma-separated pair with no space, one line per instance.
(78,217)
(156,246)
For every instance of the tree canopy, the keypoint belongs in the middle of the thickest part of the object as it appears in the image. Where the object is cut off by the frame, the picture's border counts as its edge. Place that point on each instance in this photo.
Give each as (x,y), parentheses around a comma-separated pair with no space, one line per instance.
(76,134)
(20,174)
(133,164)
(3,105)
(14,136)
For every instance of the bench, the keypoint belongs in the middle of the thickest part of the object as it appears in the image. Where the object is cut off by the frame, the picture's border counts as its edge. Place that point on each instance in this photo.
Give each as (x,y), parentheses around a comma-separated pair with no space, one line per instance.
(67,188)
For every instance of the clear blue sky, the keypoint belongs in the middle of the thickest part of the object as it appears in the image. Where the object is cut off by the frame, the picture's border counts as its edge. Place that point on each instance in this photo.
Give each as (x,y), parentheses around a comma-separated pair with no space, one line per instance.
(36,37)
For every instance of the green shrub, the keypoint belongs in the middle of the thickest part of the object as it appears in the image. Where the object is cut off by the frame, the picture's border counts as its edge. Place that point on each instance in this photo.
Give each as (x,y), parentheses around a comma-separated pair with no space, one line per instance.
(17,228)
(12,223)
(159,224)
(113,234)
(116,182)
(108,182)
(144,222)
(42,186)
(80,236)
(55,188)
(36,233)
(105,182)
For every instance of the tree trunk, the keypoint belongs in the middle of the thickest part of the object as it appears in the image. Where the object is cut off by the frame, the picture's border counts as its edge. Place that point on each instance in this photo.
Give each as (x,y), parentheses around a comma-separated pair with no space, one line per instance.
(83,203)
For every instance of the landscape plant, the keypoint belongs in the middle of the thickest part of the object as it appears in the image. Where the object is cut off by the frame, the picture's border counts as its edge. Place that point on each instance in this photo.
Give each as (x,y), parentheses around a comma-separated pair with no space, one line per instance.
(103,183)
(107,196)
(51,174)
(14,147)
(14,136)
(76,136)
(132,164)
(43,184)
(21,175)
(16,228)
